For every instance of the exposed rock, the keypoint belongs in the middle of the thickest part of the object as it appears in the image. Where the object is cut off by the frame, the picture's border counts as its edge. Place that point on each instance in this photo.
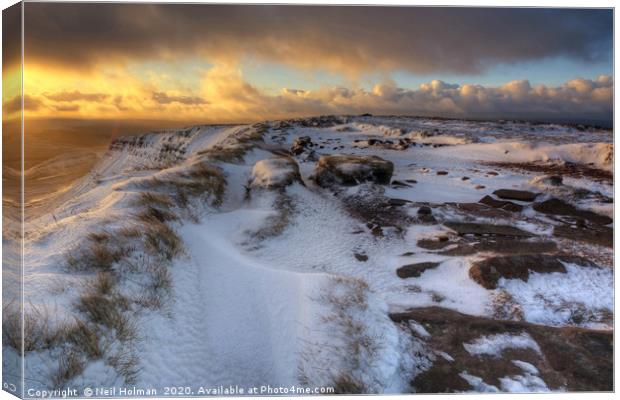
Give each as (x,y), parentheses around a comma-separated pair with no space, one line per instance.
(434,244)
(504,205)
(398,202)
(360,257)
(352,170)
(501,245)
(565,169)
(415,270)
(512,194)
(274,173)
(425,214)
(459,250)
(481,210)
(488,272)
(472,228)
(573,359)
(400,184)
(515,246)
(371,206)
(425,210)
(559,207)
(600,235)
(555,180)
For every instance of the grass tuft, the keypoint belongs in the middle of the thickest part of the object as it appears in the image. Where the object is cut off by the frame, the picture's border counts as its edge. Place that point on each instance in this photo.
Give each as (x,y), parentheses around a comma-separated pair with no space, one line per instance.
(70,365)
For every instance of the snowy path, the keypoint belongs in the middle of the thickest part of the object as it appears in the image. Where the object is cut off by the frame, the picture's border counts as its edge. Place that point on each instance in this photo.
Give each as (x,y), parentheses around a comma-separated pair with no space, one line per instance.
(235,322)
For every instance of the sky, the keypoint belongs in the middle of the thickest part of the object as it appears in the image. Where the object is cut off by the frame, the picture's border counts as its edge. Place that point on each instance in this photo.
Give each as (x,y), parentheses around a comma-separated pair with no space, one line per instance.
(242,63)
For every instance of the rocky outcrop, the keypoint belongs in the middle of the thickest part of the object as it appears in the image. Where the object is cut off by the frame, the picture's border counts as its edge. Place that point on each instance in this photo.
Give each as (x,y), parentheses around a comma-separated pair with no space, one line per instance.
(351,170)
(599,235)
(275,173)
(569,358)
(301,144)
(560,207)
(503,204)
(512,194)
(472,228)
(488,272)
(415,270)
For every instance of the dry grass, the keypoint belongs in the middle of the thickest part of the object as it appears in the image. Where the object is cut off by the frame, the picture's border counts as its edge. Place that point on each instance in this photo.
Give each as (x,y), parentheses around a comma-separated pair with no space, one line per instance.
(125,362)
(154,199)
(39,333)
(253,133)
(85,339)
(153,213)
(200,180)
(345,383)
(158,289)
(276,224)
(96,255)
(70,365)
(231,155)
(130,232)
(161,240)
(358,350)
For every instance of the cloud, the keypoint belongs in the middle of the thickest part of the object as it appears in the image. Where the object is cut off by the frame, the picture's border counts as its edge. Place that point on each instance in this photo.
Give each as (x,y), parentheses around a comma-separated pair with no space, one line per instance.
(578,99)
(67,107)
(164,98)
(223,95)
(351,40)
(15,104)
(76,95)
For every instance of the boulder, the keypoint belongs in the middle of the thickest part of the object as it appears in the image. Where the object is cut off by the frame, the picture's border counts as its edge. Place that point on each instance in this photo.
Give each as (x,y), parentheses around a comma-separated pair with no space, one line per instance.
(425,214)
(472,228)
(600,235)
(360,257)
(415,270)
(488,272)
(560,207)
(352,170)
(274,173)
(512,194)
(505,205)
(300,144)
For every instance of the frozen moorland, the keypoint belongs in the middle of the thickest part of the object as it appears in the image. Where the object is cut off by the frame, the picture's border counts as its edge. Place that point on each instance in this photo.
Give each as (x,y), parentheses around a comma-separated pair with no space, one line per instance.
(367,254)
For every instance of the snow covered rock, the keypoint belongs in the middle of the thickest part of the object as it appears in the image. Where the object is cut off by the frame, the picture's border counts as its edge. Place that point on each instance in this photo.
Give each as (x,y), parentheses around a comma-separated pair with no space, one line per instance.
(300,144)
(351,170)
(274,173)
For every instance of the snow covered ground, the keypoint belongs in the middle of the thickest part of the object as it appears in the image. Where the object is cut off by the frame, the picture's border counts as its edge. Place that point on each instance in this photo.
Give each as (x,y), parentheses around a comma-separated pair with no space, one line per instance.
(224,263)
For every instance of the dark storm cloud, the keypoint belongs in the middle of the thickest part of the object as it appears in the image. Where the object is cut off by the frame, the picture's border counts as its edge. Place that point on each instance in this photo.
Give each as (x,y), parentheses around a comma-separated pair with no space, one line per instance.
(345,39)
(11,36)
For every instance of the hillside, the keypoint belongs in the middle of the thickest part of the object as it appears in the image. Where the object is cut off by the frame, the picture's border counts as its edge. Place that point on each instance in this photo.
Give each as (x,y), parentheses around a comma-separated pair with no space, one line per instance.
(344,252)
